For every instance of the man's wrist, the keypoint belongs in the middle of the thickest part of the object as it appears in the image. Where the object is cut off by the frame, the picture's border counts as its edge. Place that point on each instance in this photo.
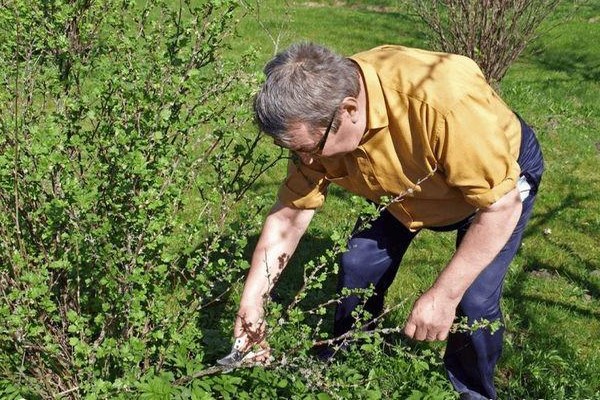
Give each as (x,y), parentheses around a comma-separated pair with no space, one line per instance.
(450,293)
(252,301)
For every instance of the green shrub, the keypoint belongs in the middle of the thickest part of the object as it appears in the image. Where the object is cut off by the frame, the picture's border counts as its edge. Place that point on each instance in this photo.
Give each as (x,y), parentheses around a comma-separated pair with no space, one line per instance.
(125,164)
(115,118)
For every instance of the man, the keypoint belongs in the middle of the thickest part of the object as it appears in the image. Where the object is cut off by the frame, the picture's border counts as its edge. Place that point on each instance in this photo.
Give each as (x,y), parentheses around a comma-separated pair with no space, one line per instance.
(421,126)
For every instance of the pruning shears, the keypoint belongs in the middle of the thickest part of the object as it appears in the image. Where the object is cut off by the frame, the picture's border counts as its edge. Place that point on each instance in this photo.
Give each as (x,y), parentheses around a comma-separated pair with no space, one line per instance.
(237,356)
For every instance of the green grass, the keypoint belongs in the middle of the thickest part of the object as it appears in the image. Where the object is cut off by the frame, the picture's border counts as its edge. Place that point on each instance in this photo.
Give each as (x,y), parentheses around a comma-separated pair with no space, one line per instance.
(552,292)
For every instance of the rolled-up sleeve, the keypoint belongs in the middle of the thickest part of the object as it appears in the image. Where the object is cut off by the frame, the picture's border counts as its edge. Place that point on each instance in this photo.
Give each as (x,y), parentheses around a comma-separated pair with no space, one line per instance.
(474,151)
(304,187)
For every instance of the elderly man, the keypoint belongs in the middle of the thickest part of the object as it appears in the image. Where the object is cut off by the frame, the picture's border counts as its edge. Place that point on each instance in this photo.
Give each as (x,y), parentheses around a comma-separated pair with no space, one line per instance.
(400,122)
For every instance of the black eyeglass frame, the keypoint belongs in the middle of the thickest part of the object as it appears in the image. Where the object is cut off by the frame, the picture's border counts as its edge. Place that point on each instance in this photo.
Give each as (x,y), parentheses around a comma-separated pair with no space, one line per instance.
(321,145)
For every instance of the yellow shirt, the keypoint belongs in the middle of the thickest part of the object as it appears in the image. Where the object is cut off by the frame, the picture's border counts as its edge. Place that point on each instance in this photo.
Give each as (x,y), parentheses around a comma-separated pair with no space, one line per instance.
(429,114)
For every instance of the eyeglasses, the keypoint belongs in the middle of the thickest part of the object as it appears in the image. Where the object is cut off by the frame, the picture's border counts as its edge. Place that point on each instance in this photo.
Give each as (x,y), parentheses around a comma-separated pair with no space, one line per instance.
(321,145)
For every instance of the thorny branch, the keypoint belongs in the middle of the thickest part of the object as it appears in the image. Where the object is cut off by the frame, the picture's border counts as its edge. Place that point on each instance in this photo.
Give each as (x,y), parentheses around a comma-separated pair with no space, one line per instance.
(346,338)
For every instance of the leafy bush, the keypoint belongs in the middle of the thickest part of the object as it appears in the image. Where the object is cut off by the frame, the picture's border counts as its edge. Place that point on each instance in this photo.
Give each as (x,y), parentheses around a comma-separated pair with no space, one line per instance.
(124,217)
(116,118)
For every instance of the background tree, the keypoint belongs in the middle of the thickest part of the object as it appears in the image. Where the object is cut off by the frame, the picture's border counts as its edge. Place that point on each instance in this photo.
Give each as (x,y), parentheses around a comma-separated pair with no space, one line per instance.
(491,32)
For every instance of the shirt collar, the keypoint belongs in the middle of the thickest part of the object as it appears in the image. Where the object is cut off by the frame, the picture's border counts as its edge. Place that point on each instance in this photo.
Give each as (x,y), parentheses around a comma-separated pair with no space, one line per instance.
(377,116)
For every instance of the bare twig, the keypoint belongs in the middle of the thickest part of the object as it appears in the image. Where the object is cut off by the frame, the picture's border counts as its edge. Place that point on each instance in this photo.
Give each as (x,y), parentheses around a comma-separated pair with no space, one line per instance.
(282,26)
(491,32)
(65,392)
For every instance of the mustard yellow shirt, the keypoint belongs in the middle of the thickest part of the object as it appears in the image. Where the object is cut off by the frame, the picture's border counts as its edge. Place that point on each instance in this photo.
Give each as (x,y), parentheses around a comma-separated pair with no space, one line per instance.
(429,114)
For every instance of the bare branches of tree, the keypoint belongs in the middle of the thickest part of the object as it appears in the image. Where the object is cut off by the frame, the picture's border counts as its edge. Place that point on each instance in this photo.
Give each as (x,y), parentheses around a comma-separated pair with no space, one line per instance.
(491,32)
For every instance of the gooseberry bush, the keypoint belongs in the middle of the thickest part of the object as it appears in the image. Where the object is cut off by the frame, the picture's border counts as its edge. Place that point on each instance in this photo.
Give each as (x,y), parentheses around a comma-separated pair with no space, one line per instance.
(126,157)
(120,164)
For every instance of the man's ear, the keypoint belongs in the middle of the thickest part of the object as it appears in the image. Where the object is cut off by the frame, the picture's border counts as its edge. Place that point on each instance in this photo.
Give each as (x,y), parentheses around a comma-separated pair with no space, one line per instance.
(350,107)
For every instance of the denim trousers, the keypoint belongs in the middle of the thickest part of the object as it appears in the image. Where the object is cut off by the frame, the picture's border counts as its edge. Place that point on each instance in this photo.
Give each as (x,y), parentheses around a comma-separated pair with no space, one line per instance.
(373,258)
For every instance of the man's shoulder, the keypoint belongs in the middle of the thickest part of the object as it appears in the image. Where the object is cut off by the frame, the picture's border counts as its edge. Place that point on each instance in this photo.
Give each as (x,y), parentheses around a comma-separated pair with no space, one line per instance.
(391,55)
(433,77)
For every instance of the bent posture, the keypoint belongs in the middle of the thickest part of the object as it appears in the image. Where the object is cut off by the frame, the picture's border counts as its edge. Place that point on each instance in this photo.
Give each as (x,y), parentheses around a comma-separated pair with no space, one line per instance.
(386,122)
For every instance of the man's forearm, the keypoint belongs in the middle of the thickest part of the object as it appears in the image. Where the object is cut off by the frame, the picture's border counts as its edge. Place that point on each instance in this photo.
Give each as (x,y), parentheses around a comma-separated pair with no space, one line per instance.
(279,238)
(434,311)
(487,235)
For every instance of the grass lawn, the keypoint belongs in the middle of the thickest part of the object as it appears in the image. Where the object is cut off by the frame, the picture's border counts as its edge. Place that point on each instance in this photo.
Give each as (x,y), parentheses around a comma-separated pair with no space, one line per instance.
(552,292)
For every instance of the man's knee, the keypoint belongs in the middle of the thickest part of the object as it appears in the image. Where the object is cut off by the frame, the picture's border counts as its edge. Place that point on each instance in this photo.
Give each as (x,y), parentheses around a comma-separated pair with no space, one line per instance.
(477,305)
(355,269)
(356,257)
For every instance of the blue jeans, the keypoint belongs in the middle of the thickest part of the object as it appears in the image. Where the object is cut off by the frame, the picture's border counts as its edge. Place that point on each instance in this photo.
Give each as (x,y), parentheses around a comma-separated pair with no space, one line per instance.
(374,256)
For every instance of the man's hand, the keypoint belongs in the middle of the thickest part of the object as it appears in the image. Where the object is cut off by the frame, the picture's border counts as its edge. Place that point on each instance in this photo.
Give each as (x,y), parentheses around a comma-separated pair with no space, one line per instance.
(280,235)
(433,313)
(250,322)
(431,317)
(250,331)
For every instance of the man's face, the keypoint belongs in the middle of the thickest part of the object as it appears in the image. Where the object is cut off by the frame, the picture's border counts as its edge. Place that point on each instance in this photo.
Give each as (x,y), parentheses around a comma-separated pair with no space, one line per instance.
(306,144)
(325,143)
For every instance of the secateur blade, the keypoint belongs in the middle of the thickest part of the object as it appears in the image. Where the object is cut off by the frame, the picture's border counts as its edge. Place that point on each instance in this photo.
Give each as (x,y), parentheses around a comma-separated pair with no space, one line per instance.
(235,356)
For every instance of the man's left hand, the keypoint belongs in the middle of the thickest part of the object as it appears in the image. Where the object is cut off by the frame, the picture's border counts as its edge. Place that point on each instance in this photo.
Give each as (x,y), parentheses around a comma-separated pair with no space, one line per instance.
(431,317)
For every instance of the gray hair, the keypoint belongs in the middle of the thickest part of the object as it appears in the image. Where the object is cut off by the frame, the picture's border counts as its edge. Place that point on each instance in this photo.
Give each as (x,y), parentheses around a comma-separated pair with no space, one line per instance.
(304,84)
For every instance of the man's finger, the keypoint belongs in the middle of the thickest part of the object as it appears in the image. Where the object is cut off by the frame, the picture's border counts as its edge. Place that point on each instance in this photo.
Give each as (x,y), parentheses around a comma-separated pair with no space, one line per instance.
(261,356)
(409,330)
(420,334)
(238,330)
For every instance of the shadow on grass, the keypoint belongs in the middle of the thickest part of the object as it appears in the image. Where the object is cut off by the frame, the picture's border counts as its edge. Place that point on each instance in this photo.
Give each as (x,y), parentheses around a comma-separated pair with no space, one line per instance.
(539,357)
(571,201)
(572,62)
(309,249)
(572,54)
(516,292)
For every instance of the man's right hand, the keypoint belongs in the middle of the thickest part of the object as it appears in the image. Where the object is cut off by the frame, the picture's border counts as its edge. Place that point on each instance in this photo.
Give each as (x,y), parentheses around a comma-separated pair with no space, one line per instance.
(250,322)
(250,327)
(280,235)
